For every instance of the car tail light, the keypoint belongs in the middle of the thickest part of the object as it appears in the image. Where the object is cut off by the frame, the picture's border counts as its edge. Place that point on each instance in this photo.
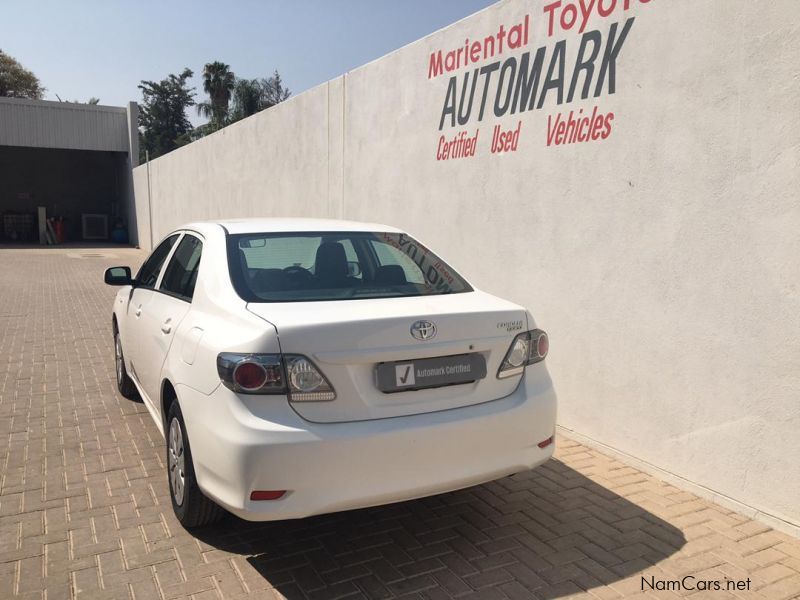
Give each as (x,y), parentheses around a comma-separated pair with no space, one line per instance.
(528,347)
(251,373)
(306,382)
(290,374)
(542,345)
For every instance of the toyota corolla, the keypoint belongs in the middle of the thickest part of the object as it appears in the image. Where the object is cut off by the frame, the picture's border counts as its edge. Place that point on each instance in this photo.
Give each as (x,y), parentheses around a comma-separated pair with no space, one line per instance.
(298,367)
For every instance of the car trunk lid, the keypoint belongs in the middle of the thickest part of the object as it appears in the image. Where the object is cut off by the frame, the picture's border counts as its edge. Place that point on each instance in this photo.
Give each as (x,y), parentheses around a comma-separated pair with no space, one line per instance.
(348,340)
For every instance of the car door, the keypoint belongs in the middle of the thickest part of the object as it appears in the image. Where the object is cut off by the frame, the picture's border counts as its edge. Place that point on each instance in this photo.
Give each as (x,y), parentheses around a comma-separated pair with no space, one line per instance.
(141,294)
(165,310)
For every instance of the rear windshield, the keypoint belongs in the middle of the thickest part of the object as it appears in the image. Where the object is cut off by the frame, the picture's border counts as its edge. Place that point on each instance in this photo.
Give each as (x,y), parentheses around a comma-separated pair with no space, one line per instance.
(296,267)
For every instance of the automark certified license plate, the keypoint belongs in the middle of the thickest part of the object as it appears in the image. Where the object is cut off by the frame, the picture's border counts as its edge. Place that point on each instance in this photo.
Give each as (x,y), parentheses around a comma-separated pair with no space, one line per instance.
(430,372)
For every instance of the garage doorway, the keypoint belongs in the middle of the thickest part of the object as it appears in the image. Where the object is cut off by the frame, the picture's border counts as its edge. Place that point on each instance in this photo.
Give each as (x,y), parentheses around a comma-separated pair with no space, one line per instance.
(82,191)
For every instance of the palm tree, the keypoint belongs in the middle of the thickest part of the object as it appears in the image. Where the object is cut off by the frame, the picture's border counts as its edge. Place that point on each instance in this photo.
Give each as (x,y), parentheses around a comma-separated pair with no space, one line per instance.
(247,99)
(218,82)
(254,95)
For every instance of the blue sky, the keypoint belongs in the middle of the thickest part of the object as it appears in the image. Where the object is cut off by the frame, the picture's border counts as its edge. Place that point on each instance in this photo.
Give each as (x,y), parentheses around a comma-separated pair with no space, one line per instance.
(85,48)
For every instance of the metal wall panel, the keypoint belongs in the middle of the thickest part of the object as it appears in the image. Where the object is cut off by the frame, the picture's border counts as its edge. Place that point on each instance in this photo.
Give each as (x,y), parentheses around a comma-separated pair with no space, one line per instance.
(45,124)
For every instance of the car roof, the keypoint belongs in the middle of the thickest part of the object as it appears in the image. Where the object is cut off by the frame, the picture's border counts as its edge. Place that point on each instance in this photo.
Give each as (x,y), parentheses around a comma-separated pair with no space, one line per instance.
(269,225)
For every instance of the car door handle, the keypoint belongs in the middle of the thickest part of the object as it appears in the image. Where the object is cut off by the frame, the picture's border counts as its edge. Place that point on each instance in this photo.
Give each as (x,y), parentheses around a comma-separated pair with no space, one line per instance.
(139,311)
(166,327)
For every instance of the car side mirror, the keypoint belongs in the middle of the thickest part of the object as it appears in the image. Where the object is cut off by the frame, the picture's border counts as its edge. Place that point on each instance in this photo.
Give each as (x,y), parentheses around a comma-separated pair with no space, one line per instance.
(118,276)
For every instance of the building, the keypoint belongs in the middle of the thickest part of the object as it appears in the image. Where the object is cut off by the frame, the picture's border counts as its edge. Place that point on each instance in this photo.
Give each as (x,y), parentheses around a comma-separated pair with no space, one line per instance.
(74,161)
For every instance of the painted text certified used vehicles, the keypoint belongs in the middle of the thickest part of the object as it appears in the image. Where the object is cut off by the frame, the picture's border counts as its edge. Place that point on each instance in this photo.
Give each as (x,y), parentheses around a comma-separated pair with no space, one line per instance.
(299,366)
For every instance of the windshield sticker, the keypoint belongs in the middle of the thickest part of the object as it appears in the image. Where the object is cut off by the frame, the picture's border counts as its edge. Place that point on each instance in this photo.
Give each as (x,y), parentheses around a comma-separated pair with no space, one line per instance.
(437,277)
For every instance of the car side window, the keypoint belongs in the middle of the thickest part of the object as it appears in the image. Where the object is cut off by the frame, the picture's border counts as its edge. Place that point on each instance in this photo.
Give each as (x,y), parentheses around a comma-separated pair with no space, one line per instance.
(148,274)
(389,255)
(180,276)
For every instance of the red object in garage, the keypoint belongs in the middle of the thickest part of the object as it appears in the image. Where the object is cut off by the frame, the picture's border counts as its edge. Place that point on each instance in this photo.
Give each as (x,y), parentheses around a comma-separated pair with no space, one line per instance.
(58,226)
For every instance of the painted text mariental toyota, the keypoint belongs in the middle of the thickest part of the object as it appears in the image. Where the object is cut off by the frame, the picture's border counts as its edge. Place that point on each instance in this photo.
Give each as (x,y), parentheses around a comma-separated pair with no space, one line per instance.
(299,367)
(522,82)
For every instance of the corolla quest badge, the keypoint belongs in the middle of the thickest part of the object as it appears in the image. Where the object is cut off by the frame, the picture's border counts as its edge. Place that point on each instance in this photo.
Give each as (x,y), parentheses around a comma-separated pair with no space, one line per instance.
(423,330)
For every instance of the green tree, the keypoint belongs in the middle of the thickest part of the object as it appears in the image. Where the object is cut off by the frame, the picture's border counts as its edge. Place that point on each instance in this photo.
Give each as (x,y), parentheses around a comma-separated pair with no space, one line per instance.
(247,99)
(218,83)
(92,100)
(162,114)
(16,81)
(254,95)
(274,90)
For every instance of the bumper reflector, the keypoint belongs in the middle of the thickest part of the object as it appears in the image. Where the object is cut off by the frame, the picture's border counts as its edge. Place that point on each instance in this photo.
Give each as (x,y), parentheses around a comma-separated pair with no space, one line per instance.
(267,494)
(546,443)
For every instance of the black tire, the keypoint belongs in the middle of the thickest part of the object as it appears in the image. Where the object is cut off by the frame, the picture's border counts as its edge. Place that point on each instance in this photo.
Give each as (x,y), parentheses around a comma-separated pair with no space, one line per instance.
(125,386)
(191,506)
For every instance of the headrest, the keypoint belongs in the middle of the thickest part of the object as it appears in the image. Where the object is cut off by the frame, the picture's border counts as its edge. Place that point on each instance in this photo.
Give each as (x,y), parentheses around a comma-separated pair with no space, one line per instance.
(390,275)
(331,261)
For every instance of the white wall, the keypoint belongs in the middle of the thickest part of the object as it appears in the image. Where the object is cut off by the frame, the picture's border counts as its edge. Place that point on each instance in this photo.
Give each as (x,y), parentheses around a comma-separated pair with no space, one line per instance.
(662,260)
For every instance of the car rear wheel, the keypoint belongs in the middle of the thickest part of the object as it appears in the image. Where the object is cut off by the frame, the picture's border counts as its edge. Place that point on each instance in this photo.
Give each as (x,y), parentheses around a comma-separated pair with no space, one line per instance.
(124,383)
(191,506)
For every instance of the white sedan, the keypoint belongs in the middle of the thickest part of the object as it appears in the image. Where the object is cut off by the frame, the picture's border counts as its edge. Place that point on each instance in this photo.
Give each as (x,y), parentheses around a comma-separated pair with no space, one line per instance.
(299,366)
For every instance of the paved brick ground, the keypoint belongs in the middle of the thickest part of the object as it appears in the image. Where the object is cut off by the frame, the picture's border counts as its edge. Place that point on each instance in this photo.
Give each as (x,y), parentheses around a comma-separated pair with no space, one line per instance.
(84,510)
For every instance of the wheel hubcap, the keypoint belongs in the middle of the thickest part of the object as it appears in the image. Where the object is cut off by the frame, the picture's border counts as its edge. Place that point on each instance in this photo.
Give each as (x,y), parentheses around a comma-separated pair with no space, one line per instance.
(176,461)
(118,358)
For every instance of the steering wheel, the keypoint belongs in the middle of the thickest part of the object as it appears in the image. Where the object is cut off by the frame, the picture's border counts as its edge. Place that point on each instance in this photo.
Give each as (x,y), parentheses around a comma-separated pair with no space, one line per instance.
(298,270)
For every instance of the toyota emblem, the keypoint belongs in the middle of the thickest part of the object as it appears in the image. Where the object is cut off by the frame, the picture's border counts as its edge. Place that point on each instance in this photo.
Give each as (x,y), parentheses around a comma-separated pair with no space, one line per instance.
(423,330)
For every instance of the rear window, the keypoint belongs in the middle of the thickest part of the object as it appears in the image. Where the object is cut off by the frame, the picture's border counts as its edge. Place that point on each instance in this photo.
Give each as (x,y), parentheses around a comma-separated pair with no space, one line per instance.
(307,266)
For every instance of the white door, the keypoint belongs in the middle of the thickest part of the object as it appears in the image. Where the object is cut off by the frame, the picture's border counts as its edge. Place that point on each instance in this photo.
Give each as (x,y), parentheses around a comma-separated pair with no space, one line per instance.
(163,313)
(141,295)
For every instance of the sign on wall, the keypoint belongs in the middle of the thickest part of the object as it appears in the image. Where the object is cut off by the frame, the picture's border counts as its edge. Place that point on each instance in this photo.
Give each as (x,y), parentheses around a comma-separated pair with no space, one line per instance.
(501,74)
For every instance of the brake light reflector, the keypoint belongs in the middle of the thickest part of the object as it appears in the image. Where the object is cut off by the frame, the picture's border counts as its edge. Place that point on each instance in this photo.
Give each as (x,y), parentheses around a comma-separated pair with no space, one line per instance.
(258,495)
(249,375)
(542,345)
(545,443)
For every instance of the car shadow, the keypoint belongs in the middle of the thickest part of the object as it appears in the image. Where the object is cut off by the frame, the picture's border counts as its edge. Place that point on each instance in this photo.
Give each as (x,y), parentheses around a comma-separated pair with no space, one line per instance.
(549,533)
(136,399)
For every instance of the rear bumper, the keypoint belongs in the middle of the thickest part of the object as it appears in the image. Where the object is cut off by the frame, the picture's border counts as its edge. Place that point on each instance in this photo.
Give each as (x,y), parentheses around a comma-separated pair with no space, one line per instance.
(245,443)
